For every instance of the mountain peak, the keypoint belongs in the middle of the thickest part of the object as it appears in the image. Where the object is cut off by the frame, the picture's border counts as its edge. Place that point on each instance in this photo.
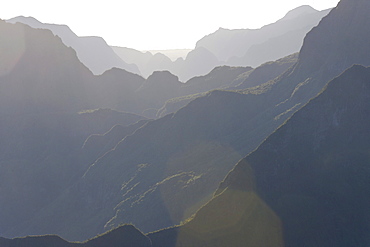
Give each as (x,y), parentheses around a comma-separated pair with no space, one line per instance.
(299,11)
(25,19)
(159,76)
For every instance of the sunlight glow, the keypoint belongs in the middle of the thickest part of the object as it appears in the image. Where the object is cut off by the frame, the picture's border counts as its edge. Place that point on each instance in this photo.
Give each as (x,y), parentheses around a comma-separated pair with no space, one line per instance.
(150,25)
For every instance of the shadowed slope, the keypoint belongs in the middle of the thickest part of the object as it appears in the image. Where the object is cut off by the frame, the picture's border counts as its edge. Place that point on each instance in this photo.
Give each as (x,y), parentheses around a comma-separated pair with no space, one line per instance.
(313,171)
(305,185)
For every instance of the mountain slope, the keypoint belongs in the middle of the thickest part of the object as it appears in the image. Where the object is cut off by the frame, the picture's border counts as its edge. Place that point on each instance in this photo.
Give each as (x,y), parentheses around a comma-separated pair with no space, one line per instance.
(94,52)
(229,78)
(62,81)
(41,129)
(307,184)
(311,174)
(167,169)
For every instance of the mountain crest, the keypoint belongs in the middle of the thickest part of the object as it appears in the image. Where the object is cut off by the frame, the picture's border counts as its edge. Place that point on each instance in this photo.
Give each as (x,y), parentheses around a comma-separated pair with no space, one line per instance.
(302,10)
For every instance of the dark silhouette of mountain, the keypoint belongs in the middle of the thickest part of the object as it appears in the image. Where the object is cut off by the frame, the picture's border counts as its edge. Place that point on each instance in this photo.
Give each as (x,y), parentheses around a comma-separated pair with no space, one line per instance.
(94,52)
(252,47)
(42,135)
(218,118)
(61,81)
(126,235)
(147,97)
(163,172)
(62,72)
(41,130)
(58,82)
(306,185)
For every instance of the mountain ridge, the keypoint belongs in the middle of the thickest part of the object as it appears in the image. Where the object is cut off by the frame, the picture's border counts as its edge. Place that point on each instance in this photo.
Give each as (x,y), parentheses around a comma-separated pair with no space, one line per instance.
(92,51)
(241,40)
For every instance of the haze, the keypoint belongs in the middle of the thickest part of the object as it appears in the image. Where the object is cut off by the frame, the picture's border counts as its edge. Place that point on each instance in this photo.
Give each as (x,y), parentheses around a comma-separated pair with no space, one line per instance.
(154,25)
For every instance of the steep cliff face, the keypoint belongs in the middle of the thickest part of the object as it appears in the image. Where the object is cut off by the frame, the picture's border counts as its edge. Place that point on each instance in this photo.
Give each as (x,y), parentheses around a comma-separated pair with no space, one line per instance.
(306,185)
(313,171)
(339,41)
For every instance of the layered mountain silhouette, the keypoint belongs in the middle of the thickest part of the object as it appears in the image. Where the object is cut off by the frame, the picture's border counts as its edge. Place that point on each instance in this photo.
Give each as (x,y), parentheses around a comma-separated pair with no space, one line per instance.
(196,145)
(36,87)
(197,62)
(244,47)
(44,121)
(228,78)
(173,54)
(252,47)
(93,52)
(306,184)
(49,148)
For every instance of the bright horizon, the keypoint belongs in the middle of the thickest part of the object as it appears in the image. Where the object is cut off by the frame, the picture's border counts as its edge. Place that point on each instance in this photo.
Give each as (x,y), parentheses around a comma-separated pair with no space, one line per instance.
(156,25)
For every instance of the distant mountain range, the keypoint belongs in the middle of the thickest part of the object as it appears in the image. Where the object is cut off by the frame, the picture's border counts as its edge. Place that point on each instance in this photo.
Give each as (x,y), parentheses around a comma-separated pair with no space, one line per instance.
(173,54)
(93,52)
(243,47)
(252,47)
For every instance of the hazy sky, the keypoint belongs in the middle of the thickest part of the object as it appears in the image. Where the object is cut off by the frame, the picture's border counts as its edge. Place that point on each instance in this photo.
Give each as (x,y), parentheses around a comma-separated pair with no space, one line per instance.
(155,24)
